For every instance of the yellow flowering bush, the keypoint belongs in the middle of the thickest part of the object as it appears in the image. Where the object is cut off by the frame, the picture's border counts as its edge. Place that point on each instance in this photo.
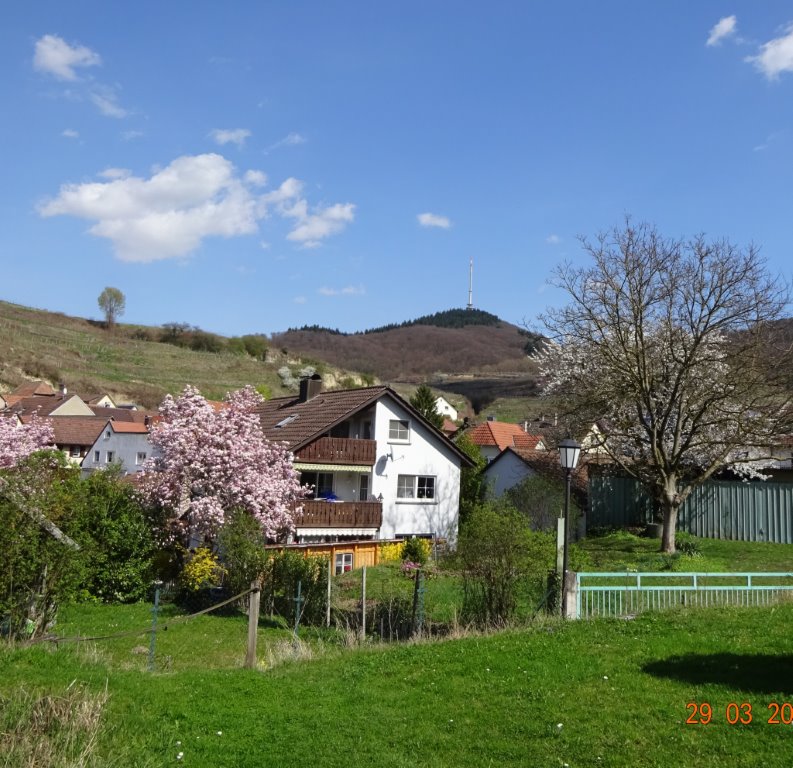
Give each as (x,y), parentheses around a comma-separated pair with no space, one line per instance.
(391,553)
(201,570)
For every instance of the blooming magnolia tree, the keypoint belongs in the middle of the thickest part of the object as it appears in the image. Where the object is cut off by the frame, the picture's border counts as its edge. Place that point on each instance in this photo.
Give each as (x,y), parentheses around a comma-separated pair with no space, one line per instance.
(213,461)
(20,440)
(671,346)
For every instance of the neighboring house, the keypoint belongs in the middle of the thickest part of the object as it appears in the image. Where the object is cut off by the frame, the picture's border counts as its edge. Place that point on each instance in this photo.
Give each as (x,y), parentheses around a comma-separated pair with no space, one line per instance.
(510,467)
(492,437)
(120,442)
(377,468)
(445,408)
(78,422)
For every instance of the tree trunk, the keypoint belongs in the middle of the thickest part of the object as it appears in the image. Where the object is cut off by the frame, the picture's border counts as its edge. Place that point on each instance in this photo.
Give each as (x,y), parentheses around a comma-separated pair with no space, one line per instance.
(670,522)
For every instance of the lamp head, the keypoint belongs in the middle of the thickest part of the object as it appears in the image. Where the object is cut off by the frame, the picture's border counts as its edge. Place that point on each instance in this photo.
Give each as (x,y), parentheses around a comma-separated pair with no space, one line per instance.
(569,451)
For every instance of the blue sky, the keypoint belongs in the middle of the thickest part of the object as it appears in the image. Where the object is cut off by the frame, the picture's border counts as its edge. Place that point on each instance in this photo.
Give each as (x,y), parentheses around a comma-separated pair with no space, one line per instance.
(252,166)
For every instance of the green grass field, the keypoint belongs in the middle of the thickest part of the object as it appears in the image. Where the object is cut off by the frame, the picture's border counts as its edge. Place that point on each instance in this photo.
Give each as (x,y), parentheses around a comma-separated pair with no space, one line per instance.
(599,693)
(604,693)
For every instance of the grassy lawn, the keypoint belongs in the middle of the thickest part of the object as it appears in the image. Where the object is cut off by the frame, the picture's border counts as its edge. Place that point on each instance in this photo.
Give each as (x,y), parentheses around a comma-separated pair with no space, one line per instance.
(621,551)
(601,693)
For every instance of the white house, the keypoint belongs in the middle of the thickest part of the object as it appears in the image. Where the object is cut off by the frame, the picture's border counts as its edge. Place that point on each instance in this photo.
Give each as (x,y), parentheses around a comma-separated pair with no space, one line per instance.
(377,468)
(445,408)
(120,442)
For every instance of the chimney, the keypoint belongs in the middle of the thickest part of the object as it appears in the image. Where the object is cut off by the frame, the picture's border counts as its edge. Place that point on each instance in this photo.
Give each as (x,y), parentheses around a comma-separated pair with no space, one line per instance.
(62,388)
(525,425)
(147,421)
(310,387)
(491,418)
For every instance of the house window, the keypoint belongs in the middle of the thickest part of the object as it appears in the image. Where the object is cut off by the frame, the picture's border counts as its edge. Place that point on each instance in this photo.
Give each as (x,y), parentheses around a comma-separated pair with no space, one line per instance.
(141,457)
(416,487)
(343,562)
(107,435)
(74,451)
(321,484)
(96,457)
(399,429)
(363,487)
(110,457)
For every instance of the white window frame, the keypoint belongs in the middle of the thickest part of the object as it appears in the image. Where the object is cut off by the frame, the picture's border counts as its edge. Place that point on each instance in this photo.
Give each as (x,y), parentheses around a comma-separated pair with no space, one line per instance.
(409,489)
(395,430)
(109,456)
(140,457)
(97,457)
(345,562)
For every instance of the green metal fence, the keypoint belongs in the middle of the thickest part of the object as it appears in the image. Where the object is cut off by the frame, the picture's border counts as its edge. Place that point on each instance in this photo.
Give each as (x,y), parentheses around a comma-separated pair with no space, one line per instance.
(719,509)
(621,594)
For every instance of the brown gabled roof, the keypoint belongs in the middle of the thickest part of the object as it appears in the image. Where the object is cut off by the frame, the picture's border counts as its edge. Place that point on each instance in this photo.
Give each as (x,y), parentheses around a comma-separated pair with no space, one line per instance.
(302,422)
(314,417)
(41,404)
(123,414)
(31,388)
(77,430)
(527,441)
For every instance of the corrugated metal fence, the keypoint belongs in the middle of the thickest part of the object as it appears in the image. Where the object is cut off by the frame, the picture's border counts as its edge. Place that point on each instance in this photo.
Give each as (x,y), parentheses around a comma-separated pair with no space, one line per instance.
(629,593)
(720,509)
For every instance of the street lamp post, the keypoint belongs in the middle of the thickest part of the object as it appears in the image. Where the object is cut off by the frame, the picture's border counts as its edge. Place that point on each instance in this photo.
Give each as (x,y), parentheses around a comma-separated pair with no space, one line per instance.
(569,451)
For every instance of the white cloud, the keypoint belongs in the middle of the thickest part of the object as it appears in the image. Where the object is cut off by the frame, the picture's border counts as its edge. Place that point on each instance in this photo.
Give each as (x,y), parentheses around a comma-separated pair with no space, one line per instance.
(54,56)
(290,140)
(350,290)
(115,173)
(553,239)
(224,136)
(299,299)
(433,220)
(775,56)
(130,135)
(169,214)
(106,101)
(724,28)
(70,133)
(314,227)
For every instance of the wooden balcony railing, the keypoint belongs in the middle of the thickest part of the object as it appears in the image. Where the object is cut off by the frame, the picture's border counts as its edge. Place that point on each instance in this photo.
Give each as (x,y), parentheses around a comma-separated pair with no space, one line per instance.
(340,514)
(339,450)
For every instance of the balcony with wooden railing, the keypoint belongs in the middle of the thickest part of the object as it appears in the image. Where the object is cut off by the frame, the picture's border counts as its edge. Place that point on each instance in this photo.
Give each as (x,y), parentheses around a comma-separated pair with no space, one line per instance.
(339,450)
(340,514)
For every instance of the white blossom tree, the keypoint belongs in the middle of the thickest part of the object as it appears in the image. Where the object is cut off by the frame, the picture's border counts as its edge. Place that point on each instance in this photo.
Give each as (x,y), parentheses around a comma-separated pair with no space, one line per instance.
(213,461)
(20,440)
(673,345)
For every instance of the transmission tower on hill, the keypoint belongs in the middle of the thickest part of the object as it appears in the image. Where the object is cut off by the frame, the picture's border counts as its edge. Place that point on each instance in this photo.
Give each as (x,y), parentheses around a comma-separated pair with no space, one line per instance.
(470,285)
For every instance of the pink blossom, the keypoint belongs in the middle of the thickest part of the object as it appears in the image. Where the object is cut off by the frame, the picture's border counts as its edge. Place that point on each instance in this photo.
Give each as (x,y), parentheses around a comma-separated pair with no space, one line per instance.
(213,461)
(19,440)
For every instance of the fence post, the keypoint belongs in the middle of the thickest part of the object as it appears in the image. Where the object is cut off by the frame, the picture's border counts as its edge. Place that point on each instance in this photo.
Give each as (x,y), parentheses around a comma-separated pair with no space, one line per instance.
(363,605)
(330,577)
(154,612)
(571,588)
(253,624)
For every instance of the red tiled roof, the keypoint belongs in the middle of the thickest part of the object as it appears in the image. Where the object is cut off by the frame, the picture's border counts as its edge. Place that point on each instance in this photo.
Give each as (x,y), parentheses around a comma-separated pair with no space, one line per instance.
(496,433)
(41,404)
(129,426)
(526,441)
(123,414)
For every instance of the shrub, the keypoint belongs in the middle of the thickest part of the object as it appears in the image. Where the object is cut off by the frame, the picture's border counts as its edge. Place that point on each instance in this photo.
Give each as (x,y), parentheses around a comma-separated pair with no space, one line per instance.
(284,570)
(116,537)
(241,546)
(500,556)
(416,550)
(391,553)
(687,544)
(201,571)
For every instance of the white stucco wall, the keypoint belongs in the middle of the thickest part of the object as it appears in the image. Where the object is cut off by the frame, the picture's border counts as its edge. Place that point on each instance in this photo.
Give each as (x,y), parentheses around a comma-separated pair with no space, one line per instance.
(124,446)
(445,408)
(423,454)
(501,475)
